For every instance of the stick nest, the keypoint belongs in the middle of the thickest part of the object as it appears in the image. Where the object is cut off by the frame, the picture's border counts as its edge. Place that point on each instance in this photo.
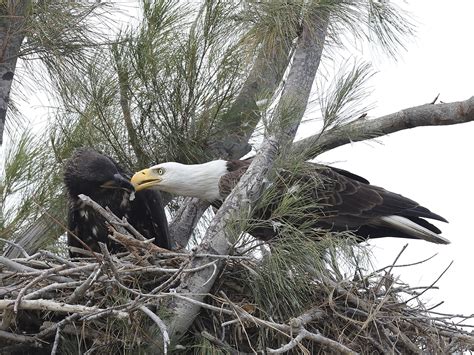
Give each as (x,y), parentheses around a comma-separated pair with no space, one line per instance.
(120,303)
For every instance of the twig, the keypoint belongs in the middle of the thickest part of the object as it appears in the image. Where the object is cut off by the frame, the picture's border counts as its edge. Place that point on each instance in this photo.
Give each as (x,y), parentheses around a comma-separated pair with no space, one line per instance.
(17,338)
(13,265)
(42,276)
(53,286)
(403,265)
(318,338)
(56,341)
(108,261)
(220,343)
(63,261)
(81,290)
(46,332)
(431,286)
(22,250)
(161,325)
(49,305)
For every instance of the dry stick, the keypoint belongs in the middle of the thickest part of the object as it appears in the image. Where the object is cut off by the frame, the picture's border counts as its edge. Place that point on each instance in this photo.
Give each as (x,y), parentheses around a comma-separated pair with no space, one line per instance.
(53,286)
(58,258)
(13,265)
(81,290)
(49,305)
(219,343)
(202,304)
(367,307)
(207,255)
(16,337)
(42,276)
(46,332)
(431,286)
(56,341)
(108,261)
(318,338)
(23,251)
(165,270)
(128,241)
(288,329)
(161,325)
(403,265)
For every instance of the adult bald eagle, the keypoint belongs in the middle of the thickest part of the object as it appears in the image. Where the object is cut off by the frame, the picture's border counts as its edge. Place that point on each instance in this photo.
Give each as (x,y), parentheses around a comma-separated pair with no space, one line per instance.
(102,179)
(343,201)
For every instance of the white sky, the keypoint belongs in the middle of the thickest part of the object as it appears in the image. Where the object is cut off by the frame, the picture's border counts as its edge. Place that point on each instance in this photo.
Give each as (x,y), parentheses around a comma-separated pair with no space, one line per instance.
(432,165)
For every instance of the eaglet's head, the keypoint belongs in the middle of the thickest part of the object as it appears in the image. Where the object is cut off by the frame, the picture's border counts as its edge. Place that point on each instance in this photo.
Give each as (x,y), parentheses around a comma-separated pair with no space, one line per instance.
(88,171)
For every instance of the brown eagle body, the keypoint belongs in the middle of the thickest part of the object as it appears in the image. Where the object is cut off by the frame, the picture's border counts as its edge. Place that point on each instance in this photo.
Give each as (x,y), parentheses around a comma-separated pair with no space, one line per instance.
(101,178)
(341,201)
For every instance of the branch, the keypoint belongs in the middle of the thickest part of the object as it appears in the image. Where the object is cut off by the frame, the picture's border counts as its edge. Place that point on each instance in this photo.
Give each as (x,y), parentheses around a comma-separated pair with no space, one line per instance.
(359,130)
(184,221)
(33,238)
(263,80)
(161,325)
(12,22)
(218,238)
(318,338)
(48,305)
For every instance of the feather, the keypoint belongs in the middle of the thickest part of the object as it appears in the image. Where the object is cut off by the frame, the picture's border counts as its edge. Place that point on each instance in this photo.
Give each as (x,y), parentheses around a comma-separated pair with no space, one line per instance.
(89,172)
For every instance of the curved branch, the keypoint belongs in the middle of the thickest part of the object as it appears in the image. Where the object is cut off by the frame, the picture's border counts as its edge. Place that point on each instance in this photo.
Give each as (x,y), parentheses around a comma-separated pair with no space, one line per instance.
(359,130)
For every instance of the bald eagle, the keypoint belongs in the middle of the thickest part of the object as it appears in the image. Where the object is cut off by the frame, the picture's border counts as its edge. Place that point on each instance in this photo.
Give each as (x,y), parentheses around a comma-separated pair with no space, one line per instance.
(102,179)
(343,201)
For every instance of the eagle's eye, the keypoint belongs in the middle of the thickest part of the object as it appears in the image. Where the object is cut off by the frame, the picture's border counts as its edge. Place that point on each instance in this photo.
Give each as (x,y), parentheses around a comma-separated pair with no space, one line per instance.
(160,171)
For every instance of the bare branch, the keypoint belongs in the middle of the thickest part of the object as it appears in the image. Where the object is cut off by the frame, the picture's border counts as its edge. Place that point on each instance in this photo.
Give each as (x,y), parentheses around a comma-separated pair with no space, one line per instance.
(185,220)
(161,325)
(359,130)
(59,307)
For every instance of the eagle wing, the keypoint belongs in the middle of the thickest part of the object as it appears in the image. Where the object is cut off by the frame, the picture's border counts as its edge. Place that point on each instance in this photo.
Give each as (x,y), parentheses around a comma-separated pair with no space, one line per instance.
(147,215)
(350,202)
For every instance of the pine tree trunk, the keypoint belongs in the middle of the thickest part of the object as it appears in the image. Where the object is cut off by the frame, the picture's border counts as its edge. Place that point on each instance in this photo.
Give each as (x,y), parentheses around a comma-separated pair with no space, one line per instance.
(12,19)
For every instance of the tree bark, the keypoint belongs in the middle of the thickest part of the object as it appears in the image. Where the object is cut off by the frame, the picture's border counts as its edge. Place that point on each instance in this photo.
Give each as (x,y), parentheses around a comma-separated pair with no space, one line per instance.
(359,130)
(33,238)
(12,21)
(244,115)
(218,238)
(185,220)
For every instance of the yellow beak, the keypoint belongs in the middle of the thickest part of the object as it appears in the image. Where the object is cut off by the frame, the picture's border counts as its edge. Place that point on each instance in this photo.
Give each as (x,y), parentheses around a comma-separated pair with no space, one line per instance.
(144,179)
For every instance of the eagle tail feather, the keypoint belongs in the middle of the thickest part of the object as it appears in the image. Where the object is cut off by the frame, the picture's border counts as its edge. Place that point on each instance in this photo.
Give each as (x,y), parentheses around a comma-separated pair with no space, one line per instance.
(409,227)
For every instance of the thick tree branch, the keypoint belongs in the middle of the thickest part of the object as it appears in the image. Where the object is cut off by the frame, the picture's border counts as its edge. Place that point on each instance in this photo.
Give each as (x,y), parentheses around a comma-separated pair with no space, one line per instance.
(359,130)
(12,18)
(33,238)
(242,118)
(218,238)
(185,220)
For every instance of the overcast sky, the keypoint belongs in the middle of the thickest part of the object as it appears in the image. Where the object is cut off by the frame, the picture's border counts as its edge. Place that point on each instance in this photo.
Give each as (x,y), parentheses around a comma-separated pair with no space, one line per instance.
(432,165)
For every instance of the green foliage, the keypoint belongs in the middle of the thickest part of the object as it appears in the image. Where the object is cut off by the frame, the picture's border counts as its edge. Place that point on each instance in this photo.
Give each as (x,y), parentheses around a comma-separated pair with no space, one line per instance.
(380,23)
(31,183)
(345,98)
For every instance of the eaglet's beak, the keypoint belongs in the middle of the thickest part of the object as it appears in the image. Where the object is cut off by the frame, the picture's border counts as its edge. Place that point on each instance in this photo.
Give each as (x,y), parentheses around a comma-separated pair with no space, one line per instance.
(118,182)
(144,179)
